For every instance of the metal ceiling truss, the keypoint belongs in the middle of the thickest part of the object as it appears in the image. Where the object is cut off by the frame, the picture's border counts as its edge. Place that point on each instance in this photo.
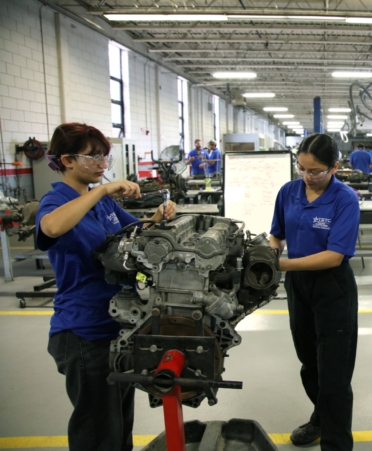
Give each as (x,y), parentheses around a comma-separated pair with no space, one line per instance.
(293,58)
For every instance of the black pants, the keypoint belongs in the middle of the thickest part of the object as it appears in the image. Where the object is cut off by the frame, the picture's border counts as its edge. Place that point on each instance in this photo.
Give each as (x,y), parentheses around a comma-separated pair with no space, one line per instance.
(102,419)
(323,308)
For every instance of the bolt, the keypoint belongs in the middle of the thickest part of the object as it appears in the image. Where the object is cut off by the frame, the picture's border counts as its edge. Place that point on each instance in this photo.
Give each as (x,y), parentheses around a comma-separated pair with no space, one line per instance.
(198,372)
(156,312)
(153,348)
(199,349)
(196,315)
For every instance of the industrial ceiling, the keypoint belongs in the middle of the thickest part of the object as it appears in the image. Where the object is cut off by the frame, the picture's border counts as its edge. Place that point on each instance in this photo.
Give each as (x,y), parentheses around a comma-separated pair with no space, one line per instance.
(293,47)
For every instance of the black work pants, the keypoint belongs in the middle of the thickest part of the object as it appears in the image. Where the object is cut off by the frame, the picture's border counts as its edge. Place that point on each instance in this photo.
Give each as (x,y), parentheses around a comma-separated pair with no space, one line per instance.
(323,308)
(102,419)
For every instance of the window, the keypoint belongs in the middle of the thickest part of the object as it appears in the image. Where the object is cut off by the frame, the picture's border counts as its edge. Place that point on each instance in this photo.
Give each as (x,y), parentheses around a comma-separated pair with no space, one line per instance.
(117,91)
(183,113)
(216,119)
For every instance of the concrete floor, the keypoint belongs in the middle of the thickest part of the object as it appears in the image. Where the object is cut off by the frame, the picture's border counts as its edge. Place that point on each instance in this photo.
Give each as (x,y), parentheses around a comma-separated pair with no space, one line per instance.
(33,402)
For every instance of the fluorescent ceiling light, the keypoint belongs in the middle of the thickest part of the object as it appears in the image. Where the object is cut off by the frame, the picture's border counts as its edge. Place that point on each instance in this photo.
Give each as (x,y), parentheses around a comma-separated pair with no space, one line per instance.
(358,20)
(165,17)
(275,108)
(333,129)
(235,75)
(334,123)
(250,17)
(335,116)
(339,110)
(316,17)
(291,123)
(351,74)
(284,116)
(259,94)
(368,134)
(297,127)
(272,17)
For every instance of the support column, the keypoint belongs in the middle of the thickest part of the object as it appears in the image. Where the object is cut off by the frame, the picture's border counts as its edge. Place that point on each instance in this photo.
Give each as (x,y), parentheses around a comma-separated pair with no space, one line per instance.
(318,117)
(7,259)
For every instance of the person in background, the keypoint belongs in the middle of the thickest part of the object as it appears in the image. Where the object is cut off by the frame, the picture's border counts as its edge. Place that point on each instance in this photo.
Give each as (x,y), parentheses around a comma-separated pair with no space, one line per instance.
(361,159)
(318,218)
(72,221)
(214,159)
(197,158)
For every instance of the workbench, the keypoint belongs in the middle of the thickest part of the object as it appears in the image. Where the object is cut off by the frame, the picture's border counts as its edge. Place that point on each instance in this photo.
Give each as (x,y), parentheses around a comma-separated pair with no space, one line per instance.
(203,196)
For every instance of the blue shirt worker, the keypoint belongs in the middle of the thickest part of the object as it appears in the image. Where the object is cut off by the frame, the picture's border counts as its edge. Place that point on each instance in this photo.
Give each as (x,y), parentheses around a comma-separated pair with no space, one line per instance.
(318,218)
(214,159)
(72,221)
(197,158)
(361,159)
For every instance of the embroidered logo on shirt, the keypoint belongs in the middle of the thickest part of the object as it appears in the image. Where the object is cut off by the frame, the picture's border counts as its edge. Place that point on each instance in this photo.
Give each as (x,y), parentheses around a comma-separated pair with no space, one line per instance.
(113,218)
(321,223)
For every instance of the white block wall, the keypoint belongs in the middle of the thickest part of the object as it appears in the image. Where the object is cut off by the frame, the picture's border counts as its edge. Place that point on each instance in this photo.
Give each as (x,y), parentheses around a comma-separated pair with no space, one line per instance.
(30,101)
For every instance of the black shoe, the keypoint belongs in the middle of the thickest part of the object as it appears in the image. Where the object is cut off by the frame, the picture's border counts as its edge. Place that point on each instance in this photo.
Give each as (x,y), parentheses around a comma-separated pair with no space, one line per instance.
(305,434)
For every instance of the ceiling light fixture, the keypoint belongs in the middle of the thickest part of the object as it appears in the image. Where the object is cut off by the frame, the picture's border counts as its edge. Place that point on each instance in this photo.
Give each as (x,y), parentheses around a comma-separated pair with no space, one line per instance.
(368,134)
(275,108)
(315,18)
(259,94)
(291,123)
(273,17)
(339,110)
(165,17)
(283,116)
(250,17)
(358,20)
(234,75)
(351,74)
(333,129)
(335,123)
(335,116)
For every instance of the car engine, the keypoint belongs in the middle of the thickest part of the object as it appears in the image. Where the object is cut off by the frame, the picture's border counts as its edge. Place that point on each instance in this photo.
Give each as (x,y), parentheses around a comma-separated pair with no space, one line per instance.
(187,283)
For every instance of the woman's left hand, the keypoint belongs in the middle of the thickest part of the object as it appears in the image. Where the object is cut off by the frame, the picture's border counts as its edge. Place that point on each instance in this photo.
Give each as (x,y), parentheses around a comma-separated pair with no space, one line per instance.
(170,211)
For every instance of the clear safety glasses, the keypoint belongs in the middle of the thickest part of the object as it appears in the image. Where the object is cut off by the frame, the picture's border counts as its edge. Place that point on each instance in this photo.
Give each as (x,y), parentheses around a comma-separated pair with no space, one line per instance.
(91,162)
(313,175)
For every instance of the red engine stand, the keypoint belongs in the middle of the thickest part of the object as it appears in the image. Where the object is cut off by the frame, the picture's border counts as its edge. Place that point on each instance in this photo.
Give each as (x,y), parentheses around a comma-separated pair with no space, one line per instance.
(171,365)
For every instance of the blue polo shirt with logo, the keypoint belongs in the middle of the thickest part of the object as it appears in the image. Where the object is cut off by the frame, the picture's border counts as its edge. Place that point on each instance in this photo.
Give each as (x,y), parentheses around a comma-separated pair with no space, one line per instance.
(200,157)
(361,159)
(82,299)
(331,222)
(215,168)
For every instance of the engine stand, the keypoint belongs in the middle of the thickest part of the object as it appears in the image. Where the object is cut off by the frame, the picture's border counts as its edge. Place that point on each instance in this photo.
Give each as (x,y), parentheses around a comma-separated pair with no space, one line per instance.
(171,366)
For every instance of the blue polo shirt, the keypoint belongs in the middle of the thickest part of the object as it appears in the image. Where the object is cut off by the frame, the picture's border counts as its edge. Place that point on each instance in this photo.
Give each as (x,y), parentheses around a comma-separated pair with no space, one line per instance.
(215,168)
(330,222)
(199,159)
(360,159)
(82,300)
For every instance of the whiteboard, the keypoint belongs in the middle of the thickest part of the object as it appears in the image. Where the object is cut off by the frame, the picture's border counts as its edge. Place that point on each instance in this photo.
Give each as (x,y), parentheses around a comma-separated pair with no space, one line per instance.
(251,184)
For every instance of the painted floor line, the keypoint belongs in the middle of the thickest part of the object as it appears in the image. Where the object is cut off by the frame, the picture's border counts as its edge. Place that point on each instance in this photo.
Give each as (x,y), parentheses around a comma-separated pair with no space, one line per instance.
(50,312)
(60,441)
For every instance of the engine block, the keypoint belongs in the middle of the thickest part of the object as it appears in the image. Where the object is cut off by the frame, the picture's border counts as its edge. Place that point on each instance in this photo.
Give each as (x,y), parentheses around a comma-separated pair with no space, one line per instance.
(196,276)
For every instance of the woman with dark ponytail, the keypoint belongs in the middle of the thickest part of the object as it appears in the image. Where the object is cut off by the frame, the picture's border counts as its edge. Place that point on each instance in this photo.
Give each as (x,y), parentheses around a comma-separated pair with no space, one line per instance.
(317,216)
(72,221)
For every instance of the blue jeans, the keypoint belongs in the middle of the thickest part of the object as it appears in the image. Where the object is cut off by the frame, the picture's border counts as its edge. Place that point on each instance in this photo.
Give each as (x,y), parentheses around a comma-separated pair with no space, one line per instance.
(323,309)
(102,419)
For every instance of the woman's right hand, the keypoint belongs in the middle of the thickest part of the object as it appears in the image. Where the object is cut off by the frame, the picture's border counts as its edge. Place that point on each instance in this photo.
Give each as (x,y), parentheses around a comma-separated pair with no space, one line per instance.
(122,188)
